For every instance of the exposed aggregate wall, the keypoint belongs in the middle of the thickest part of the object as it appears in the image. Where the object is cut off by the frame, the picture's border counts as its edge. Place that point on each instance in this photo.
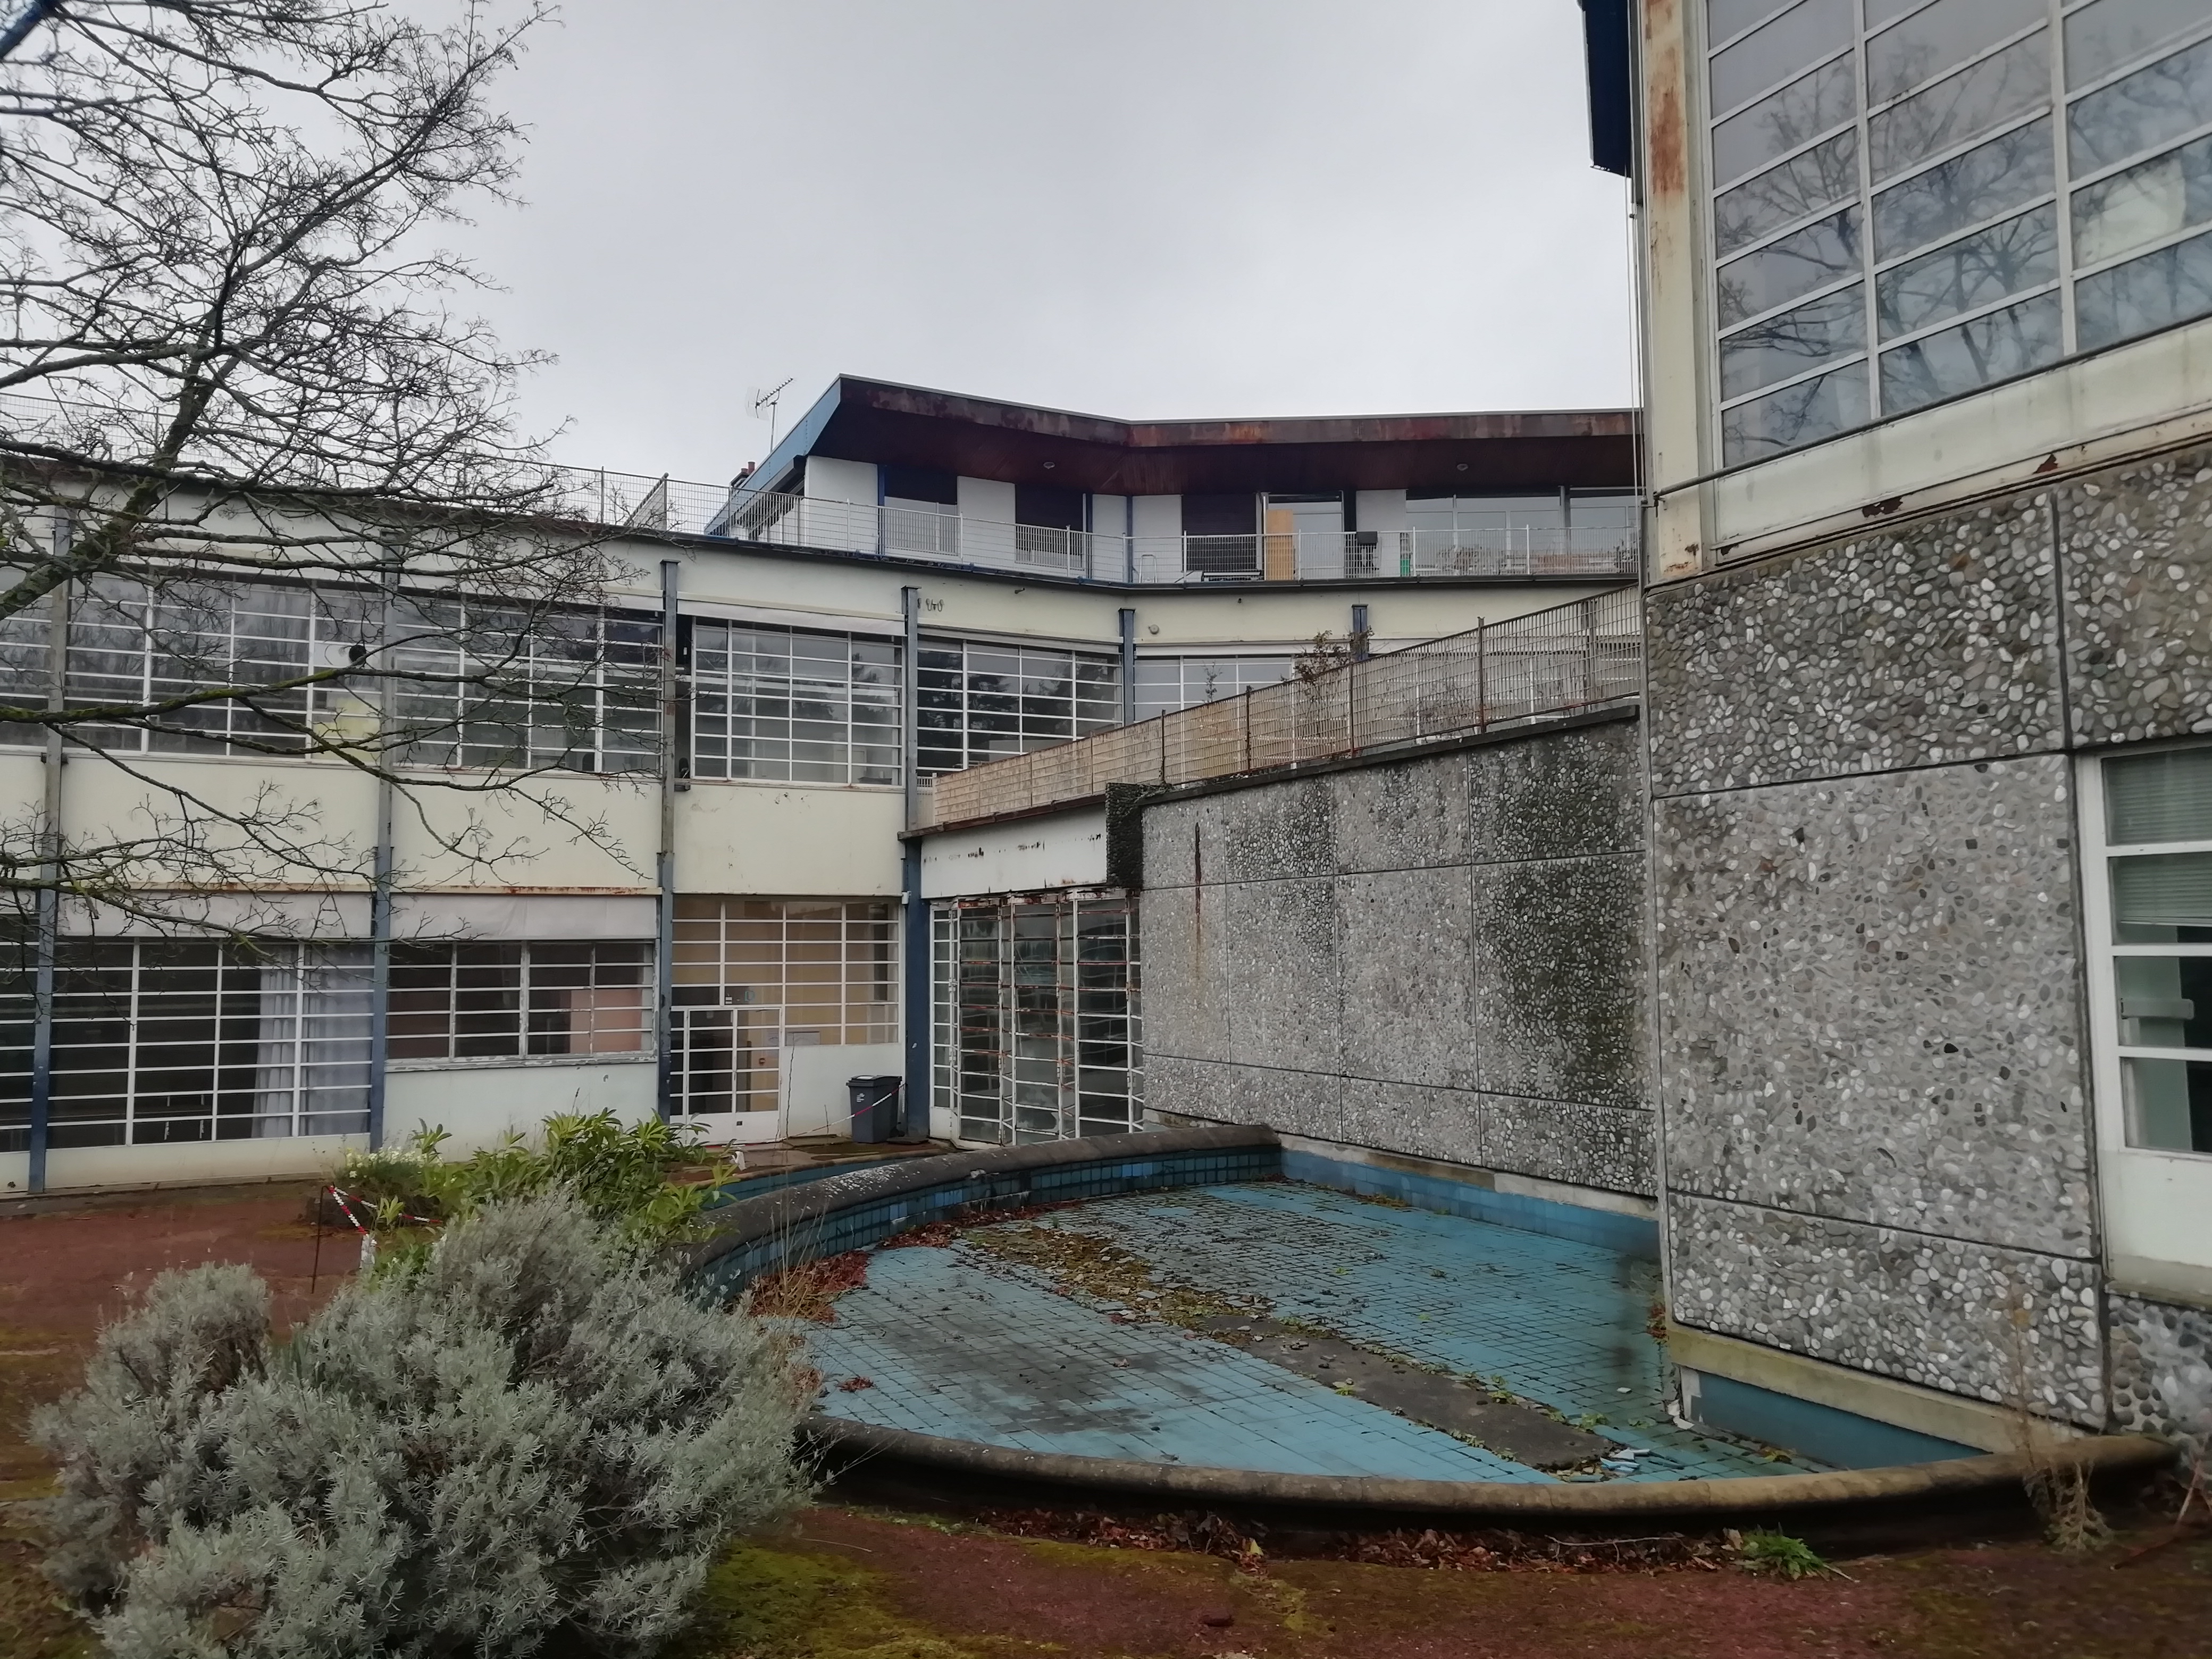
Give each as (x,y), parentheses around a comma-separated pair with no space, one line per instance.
(1871,1014)
(1442,957)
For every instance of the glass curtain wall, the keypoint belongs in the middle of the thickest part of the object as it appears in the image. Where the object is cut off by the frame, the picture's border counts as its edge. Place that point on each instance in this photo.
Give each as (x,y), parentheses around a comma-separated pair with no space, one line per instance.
(789,705)
(1915,197)
(162,1040)
(1037,1017)
(755,977)
(981,702)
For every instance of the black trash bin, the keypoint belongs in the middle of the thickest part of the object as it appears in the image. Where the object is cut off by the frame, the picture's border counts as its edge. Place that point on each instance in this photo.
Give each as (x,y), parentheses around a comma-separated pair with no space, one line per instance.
(875,1101)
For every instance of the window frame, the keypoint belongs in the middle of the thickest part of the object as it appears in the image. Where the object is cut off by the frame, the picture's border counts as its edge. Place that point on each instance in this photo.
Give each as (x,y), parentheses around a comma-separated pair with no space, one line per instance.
(1104,701)
(703,687)
(2149,1195)
(526,1011)
(321,981)
(1872,359)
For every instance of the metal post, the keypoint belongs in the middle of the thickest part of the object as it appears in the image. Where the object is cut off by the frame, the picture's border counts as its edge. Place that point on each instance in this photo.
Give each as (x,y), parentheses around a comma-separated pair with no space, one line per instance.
(380,895)
(664,954)
(1129,538)
(1481,679)
(1128,667)
(1246,700)
(1590,649)
(50,901)
(910,702)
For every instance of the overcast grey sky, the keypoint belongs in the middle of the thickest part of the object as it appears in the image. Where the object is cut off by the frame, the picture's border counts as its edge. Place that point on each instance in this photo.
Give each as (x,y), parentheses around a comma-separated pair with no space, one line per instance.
(1133,208)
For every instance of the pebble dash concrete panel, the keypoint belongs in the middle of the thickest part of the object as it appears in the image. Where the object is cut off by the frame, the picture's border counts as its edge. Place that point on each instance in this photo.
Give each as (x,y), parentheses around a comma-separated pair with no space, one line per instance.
(1401,817)
(1284,979)
(1408,977)
(1179,837)
(1287,829)
(2161,1368)
(1576,791)
(1570,1140)
(1935,1311)
(1402,1117)
(1559,954)
(1184,937)
(1295,1102)
(2137,556)
(1423,956)
(1871,1002)
(1931,643)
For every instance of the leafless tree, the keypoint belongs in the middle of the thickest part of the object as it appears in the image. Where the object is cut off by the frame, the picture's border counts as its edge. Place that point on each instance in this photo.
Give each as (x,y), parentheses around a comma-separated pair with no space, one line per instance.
(257,467)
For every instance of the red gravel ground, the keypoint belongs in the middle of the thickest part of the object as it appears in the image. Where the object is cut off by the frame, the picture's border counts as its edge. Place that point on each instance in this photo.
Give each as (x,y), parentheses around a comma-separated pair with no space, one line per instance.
(845,1584)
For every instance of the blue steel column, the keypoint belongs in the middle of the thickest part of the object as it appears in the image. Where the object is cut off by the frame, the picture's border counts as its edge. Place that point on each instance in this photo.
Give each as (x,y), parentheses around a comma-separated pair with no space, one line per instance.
(379,893)
(917,968)
(913,924)
(49,900)
(1128,667)
(664,944)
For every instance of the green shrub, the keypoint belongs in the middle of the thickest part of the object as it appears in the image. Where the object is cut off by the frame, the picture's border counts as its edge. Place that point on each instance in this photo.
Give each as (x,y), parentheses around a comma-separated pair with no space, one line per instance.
(623,1173)
(535,1440)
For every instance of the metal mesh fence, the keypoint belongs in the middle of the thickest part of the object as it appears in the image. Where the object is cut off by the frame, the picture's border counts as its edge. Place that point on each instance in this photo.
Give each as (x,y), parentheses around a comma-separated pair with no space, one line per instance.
(1572,656)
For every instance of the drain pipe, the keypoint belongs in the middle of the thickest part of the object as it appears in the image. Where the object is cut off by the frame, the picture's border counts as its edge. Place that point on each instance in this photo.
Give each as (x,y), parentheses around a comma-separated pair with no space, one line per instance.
(664,943)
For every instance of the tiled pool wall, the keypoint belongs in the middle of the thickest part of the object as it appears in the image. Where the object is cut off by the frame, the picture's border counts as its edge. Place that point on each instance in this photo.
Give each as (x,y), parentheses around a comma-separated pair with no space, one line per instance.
(869,1221)
(1630,1235)
(872,1220)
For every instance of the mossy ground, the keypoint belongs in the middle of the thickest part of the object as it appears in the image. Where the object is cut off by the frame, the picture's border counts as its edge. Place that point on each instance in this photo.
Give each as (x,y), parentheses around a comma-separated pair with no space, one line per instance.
(852,1585)
(846,1584)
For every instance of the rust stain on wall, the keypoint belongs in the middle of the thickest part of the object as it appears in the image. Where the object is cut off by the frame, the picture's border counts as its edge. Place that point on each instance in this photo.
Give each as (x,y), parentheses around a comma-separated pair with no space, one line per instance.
(1667,157)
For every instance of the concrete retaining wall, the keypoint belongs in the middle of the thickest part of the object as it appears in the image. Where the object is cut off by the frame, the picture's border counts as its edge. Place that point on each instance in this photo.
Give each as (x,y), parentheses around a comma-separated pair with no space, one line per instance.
(1440,955)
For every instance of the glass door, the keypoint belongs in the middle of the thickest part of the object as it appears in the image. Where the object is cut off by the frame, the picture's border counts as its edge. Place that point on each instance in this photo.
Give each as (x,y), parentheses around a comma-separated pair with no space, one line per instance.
(2147,887)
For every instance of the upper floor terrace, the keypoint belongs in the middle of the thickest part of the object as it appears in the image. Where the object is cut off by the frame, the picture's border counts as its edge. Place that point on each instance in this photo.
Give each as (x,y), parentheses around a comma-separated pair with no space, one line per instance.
(902,472)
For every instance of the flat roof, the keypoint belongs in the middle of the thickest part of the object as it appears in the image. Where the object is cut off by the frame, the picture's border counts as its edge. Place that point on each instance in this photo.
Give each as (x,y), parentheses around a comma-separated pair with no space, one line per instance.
(878,421)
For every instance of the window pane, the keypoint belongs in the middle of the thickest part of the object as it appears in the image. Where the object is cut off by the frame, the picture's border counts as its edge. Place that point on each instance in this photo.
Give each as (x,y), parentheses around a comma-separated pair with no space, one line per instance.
(2142,111)
(1943,36)
(1974,101)
(1975,270)
(2170,286)
(1825,174)
(1795,416)
(2164,1002)
(2162,898)
(1779,347)
(2006,171)
(1810,259)
(1726,19)
(2168,1104)
(2005,343)
(2144,204)
(2099,38)
(2165,796)
(1808,31)
(1778,122)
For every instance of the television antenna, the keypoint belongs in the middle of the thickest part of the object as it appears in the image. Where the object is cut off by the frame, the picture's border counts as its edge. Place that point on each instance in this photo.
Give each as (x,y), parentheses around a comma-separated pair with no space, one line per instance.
(768,400)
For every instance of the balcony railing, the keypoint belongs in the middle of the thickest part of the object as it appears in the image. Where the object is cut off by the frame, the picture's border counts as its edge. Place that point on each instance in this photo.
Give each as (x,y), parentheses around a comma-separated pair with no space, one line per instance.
(1599,552)
(1581,655)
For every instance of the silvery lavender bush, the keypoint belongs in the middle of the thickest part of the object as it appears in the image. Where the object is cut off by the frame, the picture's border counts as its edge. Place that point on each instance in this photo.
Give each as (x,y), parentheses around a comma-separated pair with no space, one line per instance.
(533,1440)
